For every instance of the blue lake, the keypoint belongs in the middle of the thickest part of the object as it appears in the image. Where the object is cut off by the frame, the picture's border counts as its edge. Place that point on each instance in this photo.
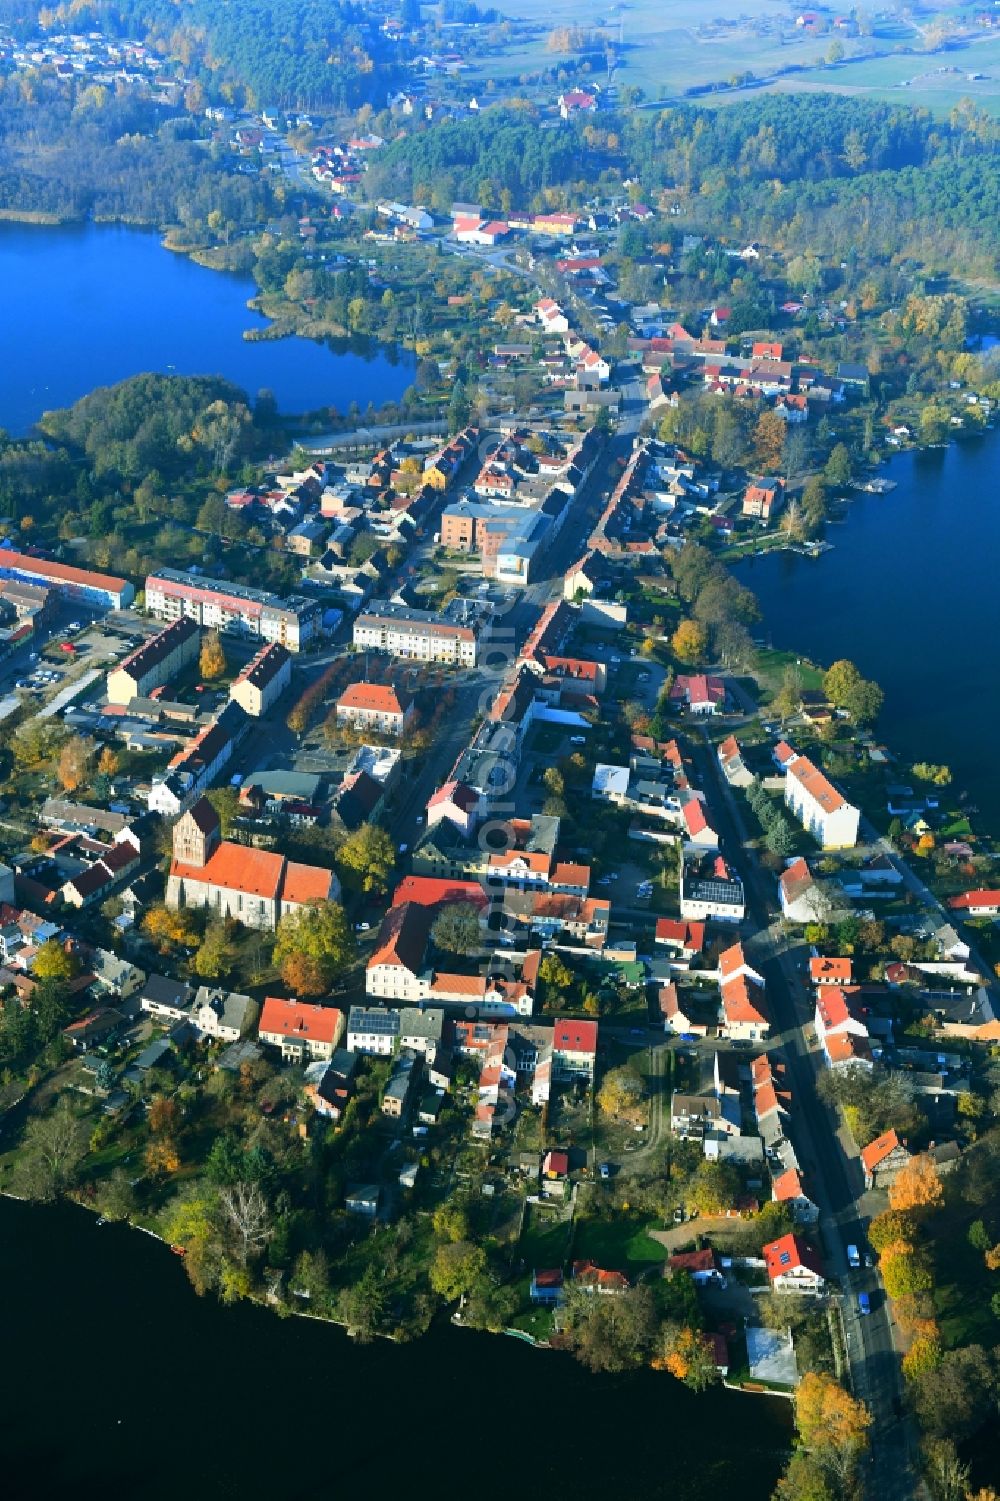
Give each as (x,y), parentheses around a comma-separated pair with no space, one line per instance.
(85,306)
(909,593)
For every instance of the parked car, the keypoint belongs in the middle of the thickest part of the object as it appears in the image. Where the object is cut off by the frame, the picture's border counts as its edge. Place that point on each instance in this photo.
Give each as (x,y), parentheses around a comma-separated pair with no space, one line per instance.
(864,1304)
(605,1170)
(853,1258)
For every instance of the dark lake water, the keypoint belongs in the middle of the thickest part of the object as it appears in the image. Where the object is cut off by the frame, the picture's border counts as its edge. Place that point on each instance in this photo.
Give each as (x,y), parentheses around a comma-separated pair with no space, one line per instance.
(910,594)
(121,1382)
(85,306)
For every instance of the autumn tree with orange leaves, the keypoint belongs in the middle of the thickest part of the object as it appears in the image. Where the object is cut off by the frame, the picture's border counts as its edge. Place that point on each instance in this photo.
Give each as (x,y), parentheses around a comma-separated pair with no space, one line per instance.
(831,1424)
(917,1186)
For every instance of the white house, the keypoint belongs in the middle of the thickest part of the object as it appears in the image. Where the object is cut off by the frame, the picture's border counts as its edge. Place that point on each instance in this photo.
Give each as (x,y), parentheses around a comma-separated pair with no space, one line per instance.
(793,1266)
(820,808)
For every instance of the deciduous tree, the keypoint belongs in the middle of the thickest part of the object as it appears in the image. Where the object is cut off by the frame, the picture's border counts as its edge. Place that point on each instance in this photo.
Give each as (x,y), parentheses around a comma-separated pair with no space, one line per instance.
(455,1269)
(917,1186)
(456,928)
(690,641)
(368,857)
(623,1093)
(212,658)
(320,933)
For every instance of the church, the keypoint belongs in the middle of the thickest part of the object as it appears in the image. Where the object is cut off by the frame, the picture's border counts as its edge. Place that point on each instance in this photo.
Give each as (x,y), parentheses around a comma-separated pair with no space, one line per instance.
(257,887)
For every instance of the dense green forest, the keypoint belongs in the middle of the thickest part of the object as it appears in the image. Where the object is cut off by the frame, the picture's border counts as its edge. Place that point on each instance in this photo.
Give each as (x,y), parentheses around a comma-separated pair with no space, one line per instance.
(114,156)
(303,54)
(809,173)
(480,157)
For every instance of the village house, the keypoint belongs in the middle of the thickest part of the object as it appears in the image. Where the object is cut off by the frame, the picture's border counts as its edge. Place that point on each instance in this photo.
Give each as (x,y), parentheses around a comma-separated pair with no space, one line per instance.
(743,1013)
(699,694)
(763,499)
(793,1266)
(222,1015)
(883,1159)
(373,1030)
(303,1032)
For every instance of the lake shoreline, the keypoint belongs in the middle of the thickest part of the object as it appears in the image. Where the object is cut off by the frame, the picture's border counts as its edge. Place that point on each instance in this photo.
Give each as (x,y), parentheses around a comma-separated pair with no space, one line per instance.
(118,304)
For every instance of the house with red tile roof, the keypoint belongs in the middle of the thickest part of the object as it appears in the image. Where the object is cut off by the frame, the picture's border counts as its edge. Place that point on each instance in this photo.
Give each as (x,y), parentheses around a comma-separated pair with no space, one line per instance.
(787,1188)
(594,1279)
(882,1159)
(793,1266)
(257,887)
(574,1048)
(303,1032)
(375,706)
(684,940)
(840,1015)
(743,1011)
(456,803)
(394,970)
(821,809)
(978,903)
(700,1266)
(827,970)
(701,694)
(697,830)
(763,499)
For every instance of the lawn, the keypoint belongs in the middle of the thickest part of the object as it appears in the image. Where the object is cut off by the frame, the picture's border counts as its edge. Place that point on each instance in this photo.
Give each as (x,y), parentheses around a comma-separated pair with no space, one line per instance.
(544,1237)
(622,1244)
(770,667)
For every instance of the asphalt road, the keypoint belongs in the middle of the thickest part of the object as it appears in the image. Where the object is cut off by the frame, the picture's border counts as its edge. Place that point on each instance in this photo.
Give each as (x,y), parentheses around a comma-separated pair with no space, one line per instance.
(828,1159)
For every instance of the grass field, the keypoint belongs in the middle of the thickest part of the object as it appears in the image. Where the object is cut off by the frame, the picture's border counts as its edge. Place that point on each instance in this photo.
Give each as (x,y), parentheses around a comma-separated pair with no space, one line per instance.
(619,1245)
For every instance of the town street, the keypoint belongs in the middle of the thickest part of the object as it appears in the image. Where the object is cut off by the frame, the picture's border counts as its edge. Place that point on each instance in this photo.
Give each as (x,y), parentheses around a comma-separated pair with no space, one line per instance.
(830,1163)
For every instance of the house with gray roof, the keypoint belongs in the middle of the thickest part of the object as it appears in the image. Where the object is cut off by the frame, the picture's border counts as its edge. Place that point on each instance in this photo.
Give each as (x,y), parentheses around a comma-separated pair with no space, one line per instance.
(222,1014)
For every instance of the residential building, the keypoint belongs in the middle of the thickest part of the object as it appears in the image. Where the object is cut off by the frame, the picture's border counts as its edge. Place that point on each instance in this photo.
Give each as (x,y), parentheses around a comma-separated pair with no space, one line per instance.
(883,1159)
(154,663)
(684,941)
(258,887)
(793,1266)
(763,499)
(303,1032)
(820,808)
(709,889)
(222,1014)
(263,680)
(101,589)
(451,635)
(375,706)
(700,694)
(396,1095)
(165,999)
(743,1012)
(976,904)
(199,762)
(574,1048)
(235,609)
(373,1029)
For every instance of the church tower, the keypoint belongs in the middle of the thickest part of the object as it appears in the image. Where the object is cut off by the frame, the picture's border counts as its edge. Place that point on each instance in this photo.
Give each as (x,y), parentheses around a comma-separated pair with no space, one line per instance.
(196,834)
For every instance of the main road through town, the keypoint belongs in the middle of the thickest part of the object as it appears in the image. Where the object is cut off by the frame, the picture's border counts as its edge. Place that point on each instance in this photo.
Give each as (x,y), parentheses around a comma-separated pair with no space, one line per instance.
(829,1162)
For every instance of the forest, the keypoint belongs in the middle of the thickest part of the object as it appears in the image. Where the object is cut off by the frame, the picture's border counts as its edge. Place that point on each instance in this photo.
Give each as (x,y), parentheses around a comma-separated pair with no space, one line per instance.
(303,54)
(798,172)
(114,156)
